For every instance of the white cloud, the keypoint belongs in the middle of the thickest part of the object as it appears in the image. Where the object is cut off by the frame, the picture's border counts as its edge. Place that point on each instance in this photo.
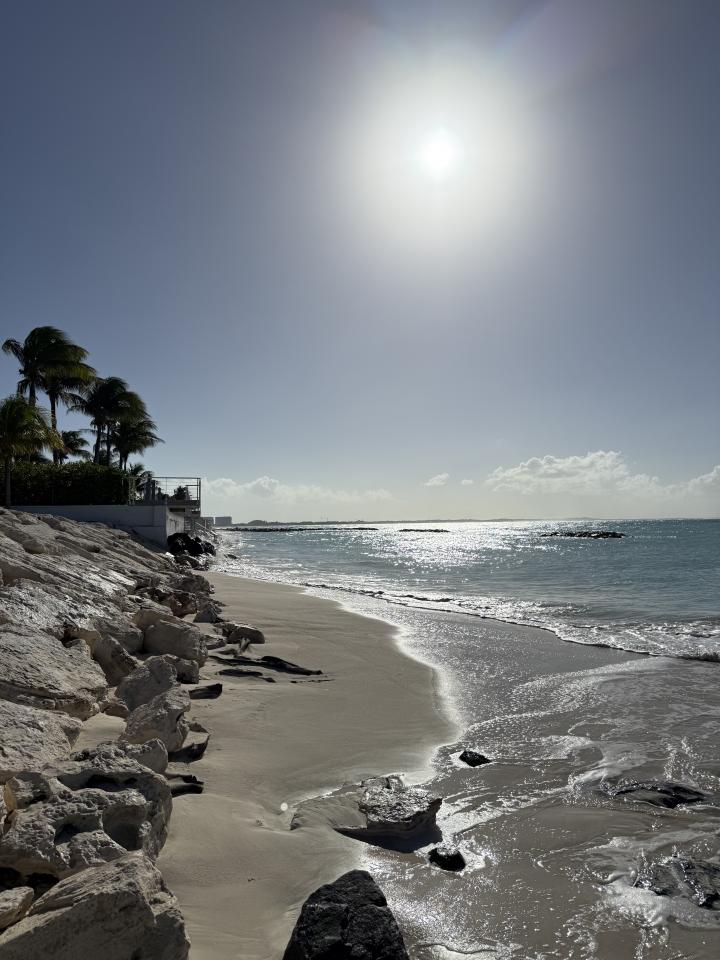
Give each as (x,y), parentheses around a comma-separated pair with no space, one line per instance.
(600,472)
(466,482)
(269,488)
(438,481)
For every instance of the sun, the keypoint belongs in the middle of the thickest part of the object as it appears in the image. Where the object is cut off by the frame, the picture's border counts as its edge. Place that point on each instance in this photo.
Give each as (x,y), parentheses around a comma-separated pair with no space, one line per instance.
(440,155)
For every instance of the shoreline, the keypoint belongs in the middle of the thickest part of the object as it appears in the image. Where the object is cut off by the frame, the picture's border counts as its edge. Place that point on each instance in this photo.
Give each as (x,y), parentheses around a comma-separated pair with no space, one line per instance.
(239,873)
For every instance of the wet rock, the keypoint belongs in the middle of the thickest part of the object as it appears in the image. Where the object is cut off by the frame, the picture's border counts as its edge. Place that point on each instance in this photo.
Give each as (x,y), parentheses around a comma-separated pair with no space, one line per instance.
(381,811)
(83,812)
(153,677)
(14,904)
(474,759)
(39,671)
(347,918)
(161,718)
(696,880)
(30,738)
(447,856)
(659,793)
(115,911)
(586,534)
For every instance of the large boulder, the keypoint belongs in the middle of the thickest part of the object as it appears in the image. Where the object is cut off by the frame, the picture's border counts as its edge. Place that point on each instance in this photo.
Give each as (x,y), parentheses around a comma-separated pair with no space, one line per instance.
(83,812)
(349,918)
(113,658)
(115,911)
(40,671)
(243,634)
(30,738)
(181,639)
(380,810)
(162,718)
(153,677)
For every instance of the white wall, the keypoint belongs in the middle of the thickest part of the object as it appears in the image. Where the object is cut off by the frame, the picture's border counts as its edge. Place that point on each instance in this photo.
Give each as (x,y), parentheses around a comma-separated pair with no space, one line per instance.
(153,521)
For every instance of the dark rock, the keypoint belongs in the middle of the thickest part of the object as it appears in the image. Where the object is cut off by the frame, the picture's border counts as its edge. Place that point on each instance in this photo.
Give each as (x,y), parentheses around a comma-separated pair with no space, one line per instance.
(448,857)
(474,759)
(586,534)
(211,692)
(696,880)
(347,920)
(423,530)
(190,752)
(660,793)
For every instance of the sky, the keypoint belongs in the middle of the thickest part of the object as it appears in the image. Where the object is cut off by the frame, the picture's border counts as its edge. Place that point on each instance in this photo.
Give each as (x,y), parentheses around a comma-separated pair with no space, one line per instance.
(240,207)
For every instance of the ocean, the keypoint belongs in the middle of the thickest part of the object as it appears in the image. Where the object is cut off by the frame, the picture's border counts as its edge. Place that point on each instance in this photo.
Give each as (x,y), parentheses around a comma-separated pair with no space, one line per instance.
(557,866)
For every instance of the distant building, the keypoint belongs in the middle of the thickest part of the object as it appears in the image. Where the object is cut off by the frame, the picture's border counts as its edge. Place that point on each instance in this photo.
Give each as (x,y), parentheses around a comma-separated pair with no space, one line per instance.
(223,521)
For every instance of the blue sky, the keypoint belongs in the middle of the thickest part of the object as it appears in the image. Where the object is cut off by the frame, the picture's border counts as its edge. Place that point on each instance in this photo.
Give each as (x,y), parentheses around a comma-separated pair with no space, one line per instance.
(219,201)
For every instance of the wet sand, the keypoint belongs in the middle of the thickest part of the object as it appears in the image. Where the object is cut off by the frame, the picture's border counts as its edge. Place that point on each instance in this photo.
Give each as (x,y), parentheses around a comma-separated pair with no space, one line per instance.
(238,871)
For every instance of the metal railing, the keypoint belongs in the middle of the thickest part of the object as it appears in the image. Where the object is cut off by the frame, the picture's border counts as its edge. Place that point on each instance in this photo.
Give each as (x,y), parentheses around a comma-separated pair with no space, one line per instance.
(176,492)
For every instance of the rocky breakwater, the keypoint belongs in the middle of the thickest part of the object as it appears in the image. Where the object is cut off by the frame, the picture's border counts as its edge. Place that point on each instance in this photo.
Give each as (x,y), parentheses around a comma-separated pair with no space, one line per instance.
(90,622)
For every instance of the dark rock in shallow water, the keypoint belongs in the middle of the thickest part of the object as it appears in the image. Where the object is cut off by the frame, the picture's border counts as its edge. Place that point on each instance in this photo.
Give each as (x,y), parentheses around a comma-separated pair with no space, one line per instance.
(448,857)
(474,759)
(423,530)
(696,880)
(347,919)
(660,793)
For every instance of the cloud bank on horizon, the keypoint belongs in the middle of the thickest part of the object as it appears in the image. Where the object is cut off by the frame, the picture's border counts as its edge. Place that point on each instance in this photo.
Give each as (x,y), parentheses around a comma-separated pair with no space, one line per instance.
(600,483)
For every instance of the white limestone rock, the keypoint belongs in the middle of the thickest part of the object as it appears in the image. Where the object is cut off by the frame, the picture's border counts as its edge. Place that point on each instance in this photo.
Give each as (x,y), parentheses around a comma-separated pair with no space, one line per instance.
(115,911)
(115,662)
(149,679)
(82,812)
(181,639)
(162,718)
(30,737)
(39,671)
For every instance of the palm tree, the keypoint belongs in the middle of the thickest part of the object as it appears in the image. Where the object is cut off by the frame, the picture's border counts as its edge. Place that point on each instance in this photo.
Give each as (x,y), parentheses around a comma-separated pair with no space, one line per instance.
(24,431)
(133,435)
(49,361)
(106,402)
(74,445)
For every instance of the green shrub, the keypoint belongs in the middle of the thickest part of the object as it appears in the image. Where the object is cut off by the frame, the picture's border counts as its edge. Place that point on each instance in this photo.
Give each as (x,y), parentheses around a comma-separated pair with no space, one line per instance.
(48,484)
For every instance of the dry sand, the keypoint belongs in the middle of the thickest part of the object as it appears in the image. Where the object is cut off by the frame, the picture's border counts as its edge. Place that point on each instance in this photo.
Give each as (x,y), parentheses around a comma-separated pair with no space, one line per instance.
(238,871)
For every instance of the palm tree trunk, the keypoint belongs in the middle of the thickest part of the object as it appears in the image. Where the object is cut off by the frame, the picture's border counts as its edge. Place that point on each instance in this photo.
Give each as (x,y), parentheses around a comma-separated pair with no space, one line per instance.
(108,444)
(32,398)
(53,423)
(96,457)
(8,471)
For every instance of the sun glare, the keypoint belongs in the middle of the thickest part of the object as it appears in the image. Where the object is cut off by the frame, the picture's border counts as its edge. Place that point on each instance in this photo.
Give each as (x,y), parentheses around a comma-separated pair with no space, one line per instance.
(440,156)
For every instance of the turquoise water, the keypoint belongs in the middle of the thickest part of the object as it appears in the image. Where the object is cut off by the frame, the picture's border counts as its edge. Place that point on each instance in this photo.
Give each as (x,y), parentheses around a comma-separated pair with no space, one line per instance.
(657,590)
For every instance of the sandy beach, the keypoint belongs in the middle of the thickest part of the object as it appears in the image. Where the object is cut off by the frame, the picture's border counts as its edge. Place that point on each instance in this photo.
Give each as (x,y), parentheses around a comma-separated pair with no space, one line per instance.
(238,871)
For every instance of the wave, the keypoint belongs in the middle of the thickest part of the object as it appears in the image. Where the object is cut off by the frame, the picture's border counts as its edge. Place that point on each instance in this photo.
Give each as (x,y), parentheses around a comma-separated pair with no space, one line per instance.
(685,640)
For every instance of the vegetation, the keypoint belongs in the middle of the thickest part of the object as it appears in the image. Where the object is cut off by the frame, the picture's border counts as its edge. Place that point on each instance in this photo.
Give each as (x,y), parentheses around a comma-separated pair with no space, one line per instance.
(37,484)
(24,432)
(50,363)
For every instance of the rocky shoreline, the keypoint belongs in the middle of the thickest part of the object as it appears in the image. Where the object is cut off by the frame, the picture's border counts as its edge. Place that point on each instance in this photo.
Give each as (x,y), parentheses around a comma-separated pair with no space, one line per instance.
(91,623)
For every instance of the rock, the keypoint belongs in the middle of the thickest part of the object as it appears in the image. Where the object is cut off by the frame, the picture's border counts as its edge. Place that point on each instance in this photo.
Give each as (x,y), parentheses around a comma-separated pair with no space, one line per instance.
(285,666)
(162,718)
(39,671)
(192,583)
(116,708)
(82,812)
(209,612)
(696,880)
(242,633)
(586,534)
(120,630)
(381,811)
(14,904)
(151,754)
(181,639)
(181,603)
(349,918)
(660,793)
(115,911)
(473,759)
(187,670)
(191,751)
(113,658)
(447,856)
(151,678)
(30,738)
